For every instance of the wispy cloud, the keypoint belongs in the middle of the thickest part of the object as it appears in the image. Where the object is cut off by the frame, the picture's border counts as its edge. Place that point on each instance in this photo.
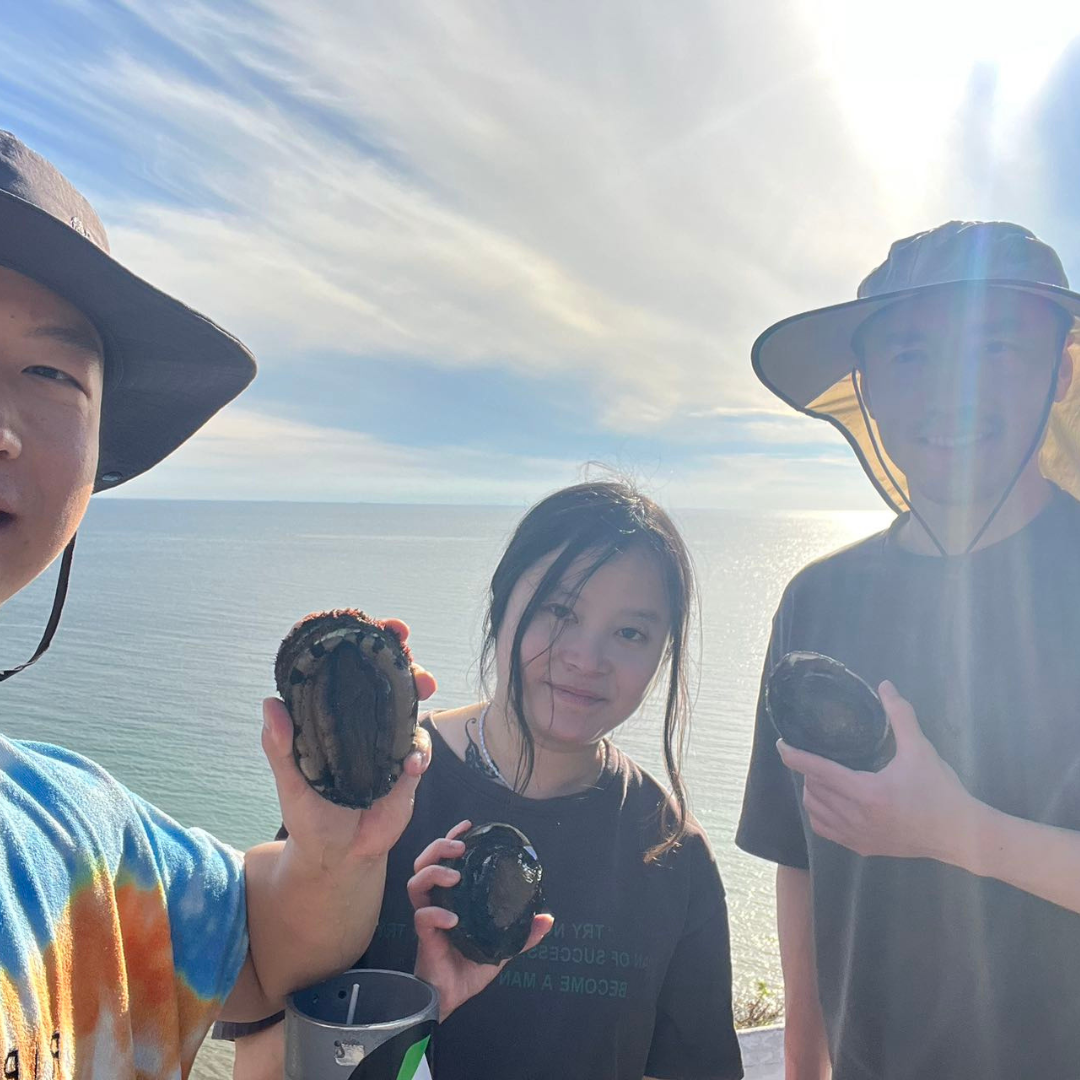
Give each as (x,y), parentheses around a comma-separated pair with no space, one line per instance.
(258,456)
(599,207)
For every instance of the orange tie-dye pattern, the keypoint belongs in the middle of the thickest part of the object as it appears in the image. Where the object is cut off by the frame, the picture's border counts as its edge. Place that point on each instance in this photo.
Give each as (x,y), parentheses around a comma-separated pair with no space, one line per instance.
(104,998)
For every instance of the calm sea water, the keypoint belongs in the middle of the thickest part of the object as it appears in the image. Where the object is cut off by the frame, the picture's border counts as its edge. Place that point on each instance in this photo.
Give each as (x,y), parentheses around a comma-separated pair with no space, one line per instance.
(177,608)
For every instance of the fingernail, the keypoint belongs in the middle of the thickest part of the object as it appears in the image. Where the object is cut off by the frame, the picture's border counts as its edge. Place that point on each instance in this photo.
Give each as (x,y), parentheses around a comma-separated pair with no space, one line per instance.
(886,687)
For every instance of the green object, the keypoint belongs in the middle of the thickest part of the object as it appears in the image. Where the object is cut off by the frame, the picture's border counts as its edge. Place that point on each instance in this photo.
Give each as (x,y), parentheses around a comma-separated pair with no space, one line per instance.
(413,1056)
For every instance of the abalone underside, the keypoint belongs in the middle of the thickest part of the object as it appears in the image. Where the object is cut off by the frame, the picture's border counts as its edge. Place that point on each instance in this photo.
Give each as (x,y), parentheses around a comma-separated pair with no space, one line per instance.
(499,893)
(347,682)
(817,704)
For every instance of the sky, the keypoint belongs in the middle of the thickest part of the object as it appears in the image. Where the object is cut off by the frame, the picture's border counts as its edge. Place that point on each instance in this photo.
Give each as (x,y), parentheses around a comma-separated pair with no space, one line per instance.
(478,246)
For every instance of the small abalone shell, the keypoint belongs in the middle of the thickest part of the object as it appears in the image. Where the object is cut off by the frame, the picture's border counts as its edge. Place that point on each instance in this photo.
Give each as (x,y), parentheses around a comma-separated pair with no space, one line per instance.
(347,682)
(498,894)
(818,705)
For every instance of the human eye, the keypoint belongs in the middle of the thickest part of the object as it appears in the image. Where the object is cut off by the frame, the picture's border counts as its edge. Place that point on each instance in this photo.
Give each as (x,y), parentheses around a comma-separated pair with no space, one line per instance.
(998,347)
(52,374)
(559,611)
(632,633)
(909,356)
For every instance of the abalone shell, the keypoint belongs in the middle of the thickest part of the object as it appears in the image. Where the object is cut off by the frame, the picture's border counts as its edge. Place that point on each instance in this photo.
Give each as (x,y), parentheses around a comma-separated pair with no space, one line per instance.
(499,893)
(347,682)
(817,704)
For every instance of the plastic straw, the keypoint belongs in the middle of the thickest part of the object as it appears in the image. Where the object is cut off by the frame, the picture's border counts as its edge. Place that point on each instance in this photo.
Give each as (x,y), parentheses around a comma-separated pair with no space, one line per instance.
(352,1004)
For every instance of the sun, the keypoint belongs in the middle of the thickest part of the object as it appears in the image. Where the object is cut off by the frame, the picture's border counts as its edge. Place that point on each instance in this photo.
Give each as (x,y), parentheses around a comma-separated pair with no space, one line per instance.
(902,74)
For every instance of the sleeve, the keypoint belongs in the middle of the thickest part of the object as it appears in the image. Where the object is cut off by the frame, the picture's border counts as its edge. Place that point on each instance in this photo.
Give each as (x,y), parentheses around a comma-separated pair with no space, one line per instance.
(694,1033)
(771,824)
(203,883)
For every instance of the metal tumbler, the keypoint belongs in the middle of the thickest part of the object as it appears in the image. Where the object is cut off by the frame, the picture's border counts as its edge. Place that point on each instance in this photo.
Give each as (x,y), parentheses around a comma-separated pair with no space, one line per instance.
(361,1025)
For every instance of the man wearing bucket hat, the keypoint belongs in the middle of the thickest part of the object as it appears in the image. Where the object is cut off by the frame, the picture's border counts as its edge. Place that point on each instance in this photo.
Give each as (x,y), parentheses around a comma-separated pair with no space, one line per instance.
(122,933)
(928,912)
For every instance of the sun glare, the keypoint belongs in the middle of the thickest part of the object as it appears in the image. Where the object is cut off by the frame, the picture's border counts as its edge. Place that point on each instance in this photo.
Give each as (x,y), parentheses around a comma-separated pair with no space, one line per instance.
(902,73)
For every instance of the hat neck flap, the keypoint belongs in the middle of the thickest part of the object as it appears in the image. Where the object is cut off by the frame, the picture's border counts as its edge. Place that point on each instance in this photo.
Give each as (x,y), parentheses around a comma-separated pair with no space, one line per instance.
(1056,442)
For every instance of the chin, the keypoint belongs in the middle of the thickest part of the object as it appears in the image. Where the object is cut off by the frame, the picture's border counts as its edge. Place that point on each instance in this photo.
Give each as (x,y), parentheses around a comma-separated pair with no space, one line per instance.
(952,493)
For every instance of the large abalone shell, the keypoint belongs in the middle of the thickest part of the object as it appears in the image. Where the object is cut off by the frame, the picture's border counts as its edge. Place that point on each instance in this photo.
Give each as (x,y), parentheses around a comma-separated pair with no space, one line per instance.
(818,705)
(498,894)
(347,682)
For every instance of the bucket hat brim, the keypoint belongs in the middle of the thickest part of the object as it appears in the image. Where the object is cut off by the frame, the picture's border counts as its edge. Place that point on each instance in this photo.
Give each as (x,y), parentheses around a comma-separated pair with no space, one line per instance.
(168,368)
(801,357)
(809,361)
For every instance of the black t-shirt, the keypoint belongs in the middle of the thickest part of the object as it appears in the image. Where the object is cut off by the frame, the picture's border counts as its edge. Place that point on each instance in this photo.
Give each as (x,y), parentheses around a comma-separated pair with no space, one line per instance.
(635,977)
(923,969)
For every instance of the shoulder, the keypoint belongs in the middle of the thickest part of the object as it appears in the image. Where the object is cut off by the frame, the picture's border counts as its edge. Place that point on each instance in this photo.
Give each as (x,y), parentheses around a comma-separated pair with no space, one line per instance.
(840,577)
(90,810)
(55,777)
(1064,516)
(861,556)
(453,726)
(645,798)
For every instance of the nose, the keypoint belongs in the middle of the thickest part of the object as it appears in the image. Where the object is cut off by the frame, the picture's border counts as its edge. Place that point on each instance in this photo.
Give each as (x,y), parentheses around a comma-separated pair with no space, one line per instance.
(581,650)
(10,442)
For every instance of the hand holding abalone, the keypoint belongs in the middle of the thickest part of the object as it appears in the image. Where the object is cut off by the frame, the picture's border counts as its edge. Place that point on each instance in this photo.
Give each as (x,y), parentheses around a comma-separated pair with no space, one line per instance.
(818,705)
(497,896)
(347,682)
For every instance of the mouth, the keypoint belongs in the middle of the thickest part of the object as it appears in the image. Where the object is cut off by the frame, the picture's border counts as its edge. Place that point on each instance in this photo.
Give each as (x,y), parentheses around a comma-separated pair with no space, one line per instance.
(955,440)
(6,518)
(573,695)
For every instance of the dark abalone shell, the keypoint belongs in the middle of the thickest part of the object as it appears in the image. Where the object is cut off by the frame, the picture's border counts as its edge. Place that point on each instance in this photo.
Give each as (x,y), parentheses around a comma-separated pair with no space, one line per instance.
(818,705)
(347,683)
(498,894)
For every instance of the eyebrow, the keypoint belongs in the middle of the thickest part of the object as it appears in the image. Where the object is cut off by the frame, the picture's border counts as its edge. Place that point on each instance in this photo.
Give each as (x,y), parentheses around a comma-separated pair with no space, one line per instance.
(646,616)
(909,336)
(75,337)
(1006,324)
(913,335)
(563,594)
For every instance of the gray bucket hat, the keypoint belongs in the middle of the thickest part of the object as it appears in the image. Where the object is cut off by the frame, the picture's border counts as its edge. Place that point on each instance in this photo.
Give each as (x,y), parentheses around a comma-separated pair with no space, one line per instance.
(168,368)
(810,359)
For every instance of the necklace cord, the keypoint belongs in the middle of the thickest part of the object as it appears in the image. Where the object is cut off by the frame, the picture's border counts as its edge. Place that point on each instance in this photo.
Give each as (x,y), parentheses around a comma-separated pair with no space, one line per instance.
(490,762)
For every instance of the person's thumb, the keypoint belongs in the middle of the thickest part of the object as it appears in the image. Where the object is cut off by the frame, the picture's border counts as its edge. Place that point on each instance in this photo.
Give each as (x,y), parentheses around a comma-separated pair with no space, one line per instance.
(277,740)
(905,723)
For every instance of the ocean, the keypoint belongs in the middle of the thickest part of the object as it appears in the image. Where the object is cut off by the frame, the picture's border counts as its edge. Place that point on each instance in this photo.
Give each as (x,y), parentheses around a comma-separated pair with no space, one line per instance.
(177,608)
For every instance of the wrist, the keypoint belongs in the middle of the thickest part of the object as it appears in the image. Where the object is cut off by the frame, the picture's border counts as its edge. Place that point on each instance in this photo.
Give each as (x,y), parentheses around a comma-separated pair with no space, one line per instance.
(315,862)
(974,833)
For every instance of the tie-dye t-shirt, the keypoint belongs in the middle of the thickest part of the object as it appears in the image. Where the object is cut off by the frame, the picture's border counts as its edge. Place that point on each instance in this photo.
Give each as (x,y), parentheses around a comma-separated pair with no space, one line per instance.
(121,932)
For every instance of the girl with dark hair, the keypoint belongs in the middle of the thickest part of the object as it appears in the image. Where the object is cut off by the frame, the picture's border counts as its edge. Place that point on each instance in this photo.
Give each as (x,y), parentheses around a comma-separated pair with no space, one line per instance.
(589,608)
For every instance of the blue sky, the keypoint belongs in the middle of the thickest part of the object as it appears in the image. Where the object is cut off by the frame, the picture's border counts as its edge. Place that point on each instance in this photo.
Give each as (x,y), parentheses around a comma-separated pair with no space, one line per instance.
(475,246)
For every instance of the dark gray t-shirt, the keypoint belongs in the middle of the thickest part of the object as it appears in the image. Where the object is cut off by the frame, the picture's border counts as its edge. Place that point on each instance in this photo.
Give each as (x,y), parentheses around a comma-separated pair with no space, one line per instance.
(925,970)
(635,978)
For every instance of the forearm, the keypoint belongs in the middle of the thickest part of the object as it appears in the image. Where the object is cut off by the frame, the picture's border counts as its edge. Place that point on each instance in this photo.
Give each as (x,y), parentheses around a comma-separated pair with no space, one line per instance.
(308,920)
(806,1053)
(1039,859)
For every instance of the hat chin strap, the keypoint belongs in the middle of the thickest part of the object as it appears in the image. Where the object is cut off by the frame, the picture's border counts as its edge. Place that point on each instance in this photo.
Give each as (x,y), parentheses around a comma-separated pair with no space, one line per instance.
(54,617)
(1032,449)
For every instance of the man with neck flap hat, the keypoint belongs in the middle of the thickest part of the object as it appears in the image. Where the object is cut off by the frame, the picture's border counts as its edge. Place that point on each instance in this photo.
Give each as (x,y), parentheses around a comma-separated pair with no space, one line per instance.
(928,912)
(123,934)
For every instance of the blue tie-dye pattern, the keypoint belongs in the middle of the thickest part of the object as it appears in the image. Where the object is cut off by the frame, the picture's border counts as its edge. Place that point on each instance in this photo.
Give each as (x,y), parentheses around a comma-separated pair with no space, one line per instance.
(62,817)
(202,907)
